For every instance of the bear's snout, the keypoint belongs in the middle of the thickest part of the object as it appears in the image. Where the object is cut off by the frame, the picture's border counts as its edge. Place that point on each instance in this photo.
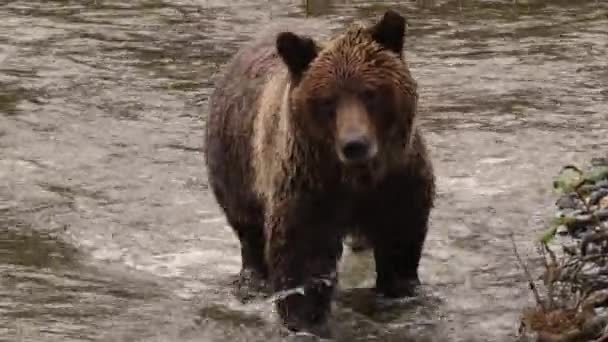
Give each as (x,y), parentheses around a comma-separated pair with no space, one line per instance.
(356,141)
(357,148)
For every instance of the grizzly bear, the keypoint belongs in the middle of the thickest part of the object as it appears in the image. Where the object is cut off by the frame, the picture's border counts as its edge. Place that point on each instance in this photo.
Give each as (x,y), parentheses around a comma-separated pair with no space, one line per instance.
(308,141)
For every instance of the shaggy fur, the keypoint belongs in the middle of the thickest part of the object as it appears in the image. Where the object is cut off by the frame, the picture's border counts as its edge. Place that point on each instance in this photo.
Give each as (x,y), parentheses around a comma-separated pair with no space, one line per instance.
(273,167)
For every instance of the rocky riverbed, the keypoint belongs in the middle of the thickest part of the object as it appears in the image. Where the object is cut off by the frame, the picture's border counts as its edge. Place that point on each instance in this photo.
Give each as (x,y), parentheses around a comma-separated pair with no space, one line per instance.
(572,298)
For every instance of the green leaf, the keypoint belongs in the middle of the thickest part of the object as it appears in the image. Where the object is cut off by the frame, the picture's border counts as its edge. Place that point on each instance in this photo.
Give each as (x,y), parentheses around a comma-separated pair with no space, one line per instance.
(598,174)
(567,180)
(548,235)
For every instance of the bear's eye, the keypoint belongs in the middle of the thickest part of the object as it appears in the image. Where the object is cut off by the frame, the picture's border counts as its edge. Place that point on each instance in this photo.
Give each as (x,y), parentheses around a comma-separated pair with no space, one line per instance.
(373,98)
(324,106)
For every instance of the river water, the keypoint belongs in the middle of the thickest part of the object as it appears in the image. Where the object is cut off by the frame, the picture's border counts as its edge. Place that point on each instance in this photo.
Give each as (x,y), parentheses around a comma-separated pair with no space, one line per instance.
(108,231)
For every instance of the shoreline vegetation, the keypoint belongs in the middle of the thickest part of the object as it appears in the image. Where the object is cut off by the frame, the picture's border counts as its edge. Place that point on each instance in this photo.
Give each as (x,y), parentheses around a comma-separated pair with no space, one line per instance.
(572,294)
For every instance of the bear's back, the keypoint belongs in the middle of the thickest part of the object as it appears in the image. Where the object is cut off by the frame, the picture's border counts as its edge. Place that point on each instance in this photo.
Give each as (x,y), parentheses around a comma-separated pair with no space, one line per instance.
(233,106)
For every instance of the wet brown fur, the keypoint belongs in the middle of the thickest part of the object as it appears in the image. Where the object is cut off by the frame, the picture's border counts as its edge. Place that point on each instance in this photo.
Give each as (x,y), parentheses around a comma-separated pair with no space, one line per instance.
(274,170)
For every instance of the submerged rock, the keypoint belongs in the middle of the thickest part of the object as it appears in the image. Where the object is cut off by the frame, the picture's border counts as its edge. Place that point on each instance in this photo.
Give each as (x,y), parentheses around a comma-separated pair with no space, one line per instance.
(562,230)
(598,195)
(603,203)
(569,201)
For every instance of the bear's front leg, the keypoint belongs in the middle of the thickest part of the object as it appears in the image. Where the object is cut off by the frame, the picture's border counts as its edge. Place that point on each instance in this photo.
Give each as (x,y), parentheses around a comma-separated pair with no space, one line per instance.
(397,257)
(303,248)
(252,279)
(398,229)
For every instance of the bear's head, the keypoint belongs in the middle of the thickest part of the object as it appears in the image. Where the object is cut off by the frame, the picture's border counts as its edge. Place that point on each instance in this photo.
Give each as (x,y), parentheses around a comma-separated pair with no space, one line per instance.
(353,96)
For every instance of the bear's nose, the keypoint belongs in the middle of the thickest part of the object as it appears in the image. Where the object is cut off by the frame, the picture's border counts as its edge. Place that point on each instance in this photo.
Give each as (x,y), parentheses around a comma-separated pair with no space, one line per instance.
(356,149)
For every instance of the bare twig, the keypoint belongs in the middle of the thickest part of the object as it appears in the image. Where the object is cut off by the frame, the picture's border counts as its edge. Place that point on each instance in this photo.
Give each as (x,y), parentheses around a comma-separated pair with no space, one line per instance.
(590,329)
(528,275)
(572,167)
(553,274)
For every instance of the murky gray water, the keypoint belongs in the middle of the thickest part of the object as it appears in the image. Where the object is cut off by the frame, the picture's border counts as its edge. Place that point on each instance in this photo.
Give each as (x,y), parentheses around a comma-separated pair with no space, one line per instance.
(108,231)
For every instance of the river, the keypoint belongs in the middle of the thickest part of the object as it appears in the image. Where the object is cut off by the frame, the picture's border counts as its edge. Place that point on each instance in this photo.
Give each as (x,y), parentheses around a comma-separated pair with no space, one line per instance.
(108,231)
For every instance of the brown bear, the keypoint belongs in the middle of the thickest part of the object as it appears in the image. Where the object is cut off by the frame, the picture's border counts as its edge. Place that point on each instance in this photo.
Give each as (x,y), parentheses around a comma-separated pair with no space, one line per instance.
(308,141)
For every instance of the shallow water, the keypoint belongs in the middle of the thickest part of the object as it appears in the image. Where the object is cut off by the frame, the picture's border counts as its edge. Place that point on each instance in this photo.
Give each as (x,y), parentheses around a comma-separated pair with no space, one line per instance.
(108,231)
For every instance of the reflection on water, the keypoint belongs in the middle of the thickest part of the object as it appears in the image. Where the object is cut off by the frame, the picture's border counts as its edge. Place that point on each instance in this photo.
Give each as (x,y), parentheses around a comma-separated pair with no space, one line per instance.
(20,245)
(49,295)
(107,229)
(317,7)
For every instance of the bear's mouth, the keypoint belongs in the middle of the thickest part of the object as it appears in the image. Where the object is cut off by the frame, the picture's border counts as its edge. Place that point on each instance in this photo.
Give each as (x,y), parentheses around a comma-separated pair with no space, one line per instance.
(362,175)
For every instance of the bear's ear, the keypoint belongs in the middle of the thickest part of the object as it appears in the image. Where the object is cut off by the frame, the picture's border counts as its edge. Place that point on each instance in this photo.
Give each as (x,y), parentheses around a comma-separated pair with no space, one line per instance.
(297,52)
(390,31)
